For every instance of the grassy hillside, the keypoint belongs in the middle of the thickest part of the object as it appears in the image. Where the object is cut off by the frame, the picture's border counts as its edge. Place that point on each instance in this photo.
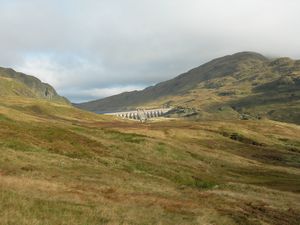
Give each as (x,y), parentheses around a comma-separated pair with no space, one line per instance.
(13,83)
(60,165)
(243,85)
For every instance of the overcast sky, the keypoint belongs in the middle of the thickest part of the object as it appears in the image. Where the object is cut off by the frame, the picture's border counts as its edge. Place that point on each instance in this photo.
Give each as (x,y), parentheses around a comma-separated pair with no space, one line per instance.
(89,49)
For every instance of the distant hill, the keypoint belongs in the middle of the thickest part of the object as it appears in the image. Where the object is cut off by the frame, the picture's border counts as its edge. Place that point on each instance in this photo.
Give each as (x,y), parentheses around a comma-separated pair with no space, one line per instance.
(242,85)
(13,83)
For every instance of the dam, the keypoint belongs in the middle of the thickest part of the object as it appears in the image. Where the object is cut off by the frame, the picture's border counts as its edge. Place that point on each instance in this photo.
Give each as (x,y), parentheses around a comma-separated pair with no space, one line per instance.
(141,114)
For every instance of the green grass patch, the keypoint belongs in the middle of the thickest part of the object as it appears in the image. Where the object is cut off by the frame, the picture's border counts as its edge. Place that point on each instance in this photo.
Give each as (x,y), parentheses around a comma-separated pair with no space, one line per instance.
(4,118)
(20,146)
(125,137)
(20,209)
(190,181)
(241,138)
(161,147)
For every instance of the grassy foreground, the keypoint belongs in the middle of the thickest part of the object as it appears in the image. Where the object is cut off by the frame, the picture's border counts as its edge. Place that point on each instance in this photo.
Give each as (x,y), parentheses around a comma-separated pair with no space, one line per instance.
(60,165)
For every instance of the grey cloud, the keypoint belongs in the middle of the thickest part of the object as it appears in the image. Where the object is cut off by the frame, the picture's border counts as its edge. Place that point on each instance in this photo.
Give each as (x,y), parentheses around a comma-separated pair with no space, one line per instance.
(84,46)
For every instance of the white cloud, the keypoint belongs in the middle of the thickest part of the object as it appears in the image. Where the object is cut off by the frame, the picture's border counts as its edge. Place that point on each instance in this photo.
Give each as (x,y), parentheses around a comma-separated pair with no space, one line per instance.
(97,93)
(85,45)
(102,92)
(62,70)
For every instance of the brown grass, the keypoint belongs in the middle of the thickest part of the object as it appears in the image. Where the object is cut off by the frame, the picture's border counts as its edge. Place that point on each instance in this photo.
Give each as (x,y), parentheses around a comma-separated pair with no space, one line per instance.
(60,165)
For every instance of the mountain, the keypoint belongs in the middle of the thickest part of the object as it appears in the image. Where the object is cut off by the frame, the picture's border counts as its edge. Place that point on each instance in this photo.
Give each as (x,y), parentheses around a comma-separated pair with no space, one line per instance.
(13,83)
(63,165)
(241,85)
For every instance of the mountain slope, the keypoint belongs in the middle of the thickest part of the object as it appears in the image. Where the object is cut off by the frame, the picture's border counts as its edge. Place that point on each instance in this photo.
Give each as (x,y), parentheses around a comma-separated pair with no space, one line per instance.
(62,165)
(13,83)
(227,87)
(216,68)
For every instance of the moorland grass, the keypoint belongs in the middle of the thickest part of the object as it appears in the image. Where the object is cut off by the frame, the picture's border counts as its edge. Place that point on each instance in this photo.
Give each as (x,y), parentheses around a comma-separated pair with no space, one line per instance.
(80,168)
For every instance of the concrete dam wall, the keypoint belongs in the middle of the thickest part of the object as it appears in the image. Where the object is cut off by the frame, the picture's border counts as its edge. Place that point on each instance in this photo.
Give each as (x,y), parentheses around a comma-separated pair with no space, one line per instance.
(141,114)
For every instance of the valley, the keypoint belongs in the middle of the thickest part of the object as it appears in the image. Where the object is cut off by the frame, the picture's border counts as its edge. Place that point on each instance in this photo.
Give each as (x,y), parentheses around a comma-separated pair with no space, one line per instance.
(136,112)
(207,162)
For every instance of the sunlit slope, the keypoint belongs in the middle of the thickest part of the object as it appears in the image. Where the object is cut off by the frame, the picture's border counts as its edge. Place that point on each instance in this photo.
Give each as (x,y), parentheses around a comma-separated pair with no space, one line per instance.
(253,93)
(13,83)
(243,85)
(61,165)
(9,87)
